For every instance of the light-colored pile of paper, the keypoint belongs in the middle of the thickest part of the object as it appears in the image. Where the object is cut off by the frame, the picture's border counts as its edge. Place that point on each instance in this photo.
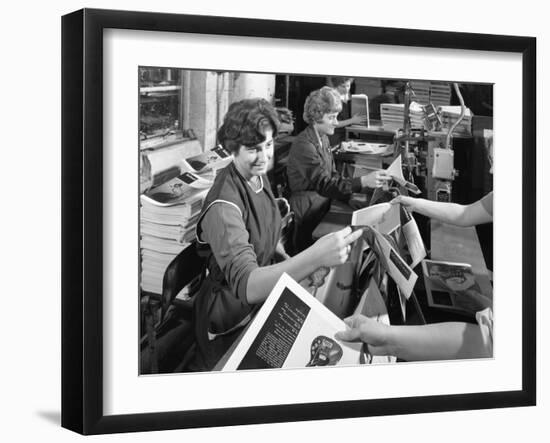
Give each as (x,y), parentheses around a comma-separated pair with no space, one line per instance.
(421,91)
(392,115)
(360,147)
(440,94)
(167,226)
(169,210)
(450,115)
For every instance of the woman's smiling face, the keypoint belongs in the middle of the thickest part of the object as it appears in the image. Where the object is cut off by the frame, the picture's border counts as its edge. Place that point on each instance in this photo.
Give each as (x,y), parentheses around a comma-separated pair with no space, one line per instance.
(327,124)
(254,160)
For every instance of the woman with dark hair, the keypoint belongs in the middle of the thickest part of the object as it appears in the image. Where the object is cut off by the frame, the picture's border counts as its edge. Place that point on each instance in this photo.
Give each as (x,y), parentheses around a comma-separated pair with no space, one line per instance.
(342,85)
(312,176)
(239,231)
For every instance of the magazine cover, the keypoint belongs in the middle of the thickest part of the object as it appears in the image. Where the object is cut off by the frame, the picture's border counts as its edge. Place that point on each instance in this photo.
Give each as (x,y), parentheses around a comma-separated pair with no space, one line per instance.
(293,330)
(453,287)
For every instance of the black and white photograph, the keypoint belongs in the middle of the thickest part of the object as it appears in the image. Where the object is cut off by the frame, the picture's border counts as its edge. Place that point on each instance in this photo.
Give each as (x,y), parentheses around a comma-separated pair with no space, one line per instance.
(336,185)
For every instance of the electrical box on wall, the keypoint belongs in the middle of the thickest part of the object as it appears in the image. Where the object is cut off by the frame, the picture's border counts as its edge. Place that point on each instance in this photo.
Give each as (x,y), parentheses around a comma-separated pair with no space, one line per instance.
(443,166)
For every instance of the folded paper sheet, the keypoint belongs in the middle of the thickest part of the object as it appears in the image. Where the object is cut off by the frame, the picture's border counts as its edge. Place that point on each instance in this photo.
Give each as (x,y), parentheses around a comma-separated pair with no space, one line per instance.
(396,171)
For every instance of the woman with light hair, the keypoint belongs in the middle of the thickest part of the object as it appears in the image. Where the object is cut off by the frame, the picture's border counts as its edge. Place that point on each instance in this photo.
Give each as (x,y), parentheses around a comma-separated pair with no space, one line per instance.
(312,176)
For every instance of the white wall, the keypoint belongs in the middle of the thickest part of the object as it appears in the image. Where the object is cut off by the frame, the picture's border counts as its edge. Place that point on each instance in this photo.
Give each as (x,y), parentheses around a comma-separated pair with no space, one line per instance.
(254,85)
(30,242)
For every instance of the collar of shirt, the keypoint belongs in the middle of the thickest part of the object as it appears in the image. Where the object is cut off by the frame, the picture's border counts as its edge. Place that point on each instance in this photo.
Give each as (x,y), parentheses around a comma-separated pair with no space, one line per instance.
(317,139)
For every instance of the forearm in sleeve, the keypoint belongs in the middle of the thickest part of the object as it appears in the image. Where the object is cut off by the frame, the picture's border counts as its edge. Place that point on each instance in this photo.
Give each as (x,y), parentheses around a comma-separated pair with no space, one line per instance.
(321,180)
(262,279)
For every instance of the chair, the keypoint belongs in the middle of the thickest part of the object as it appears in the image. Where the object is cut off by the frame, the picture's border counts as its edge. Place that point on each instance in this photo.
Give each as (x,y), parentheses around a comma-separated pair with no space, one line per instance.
(173,338)
(169,343)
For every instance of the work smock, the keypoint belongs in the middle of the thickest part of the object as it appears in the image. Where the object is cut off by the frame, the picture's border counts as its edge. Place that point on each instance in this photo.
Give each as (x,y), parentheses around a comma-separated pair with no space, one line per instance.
(238,231)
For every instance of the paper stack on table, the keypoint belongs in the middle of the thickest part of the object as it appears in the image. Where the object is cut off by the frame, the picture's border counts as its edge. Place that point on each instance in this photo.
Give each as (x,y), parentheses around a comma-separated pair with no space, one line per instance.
(421,91)
(450,115)
(359,147)
(392,115)
(440,93)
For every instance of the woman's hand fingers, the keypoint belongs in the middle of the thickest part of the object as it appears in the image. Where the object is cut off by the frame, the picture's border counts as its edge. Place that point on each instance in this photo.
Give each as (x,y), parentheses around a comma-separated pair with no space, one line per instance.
(344,232)
(397,200)
(352,237)
(352,335)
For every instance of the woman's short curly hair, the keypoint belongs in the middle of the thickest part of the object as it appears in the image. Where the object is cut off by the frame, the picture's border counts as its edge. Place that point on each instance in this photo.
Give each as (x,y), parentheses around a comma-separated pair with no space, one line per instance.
(336,81)
(246,123)
(320,102)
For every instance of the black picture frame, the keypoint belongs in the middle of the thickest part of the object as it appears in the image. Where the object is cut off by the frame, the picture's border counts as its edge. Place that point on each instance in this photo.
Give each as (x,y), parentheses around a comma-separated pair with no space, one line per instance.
(82,218)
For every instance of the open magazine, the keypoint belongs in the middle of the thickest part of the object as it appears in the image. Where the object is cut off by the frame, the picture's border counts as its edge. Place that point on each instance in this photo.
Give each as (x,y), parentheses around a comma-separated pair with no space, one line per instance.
(212,160)
(362,147)
(162,165)
(391,261)
(453,287)
(178,190)
(293,330)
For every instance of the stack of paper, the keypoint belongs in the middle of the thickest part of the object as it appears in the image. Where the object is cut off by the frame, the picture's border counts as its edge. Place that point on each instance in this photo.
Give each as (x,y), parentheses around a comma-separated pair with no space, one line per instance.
(392,115)
(168,218)
(416,114)
(440,93)
(360,147)
(421,89)
(208,161)
(450,115)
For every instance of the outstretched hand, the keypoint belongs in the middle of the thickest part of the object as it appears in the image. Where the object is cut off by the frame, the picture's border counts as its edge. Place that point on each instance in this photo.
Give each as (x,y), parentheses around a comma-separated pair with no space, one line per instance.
(408,202)
(366,330)
(333,249)
(358,119)
(376,179)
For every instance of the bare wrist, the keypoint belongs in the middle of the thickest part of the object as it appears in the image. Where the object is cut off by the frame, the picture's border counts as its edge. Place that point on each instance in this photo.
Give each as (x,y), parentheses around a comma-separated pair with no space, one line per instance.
(391,340)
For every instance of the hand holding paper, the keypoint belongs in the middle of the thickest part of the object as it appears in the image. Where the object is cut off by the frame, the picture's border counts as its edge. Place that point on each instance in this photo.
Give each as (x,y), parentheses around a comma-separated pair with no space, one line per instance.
(395,170)
(375,179)
(366,330)
(334,248)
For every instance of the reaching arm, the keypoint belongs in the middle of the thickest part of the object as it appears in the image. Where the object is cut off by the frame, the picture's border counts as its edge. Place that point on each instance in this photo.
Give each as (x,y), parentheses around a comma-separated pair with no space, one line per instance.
(328,251)
(452,213)
(437,341)
(224,230)
(357,119)
(306,167)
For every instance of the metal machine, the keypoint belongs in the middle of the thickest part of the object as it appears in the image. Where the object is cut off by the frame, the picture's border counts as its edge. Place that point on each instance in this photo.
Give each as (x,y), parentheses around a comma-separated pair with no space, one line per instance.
(427,154)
